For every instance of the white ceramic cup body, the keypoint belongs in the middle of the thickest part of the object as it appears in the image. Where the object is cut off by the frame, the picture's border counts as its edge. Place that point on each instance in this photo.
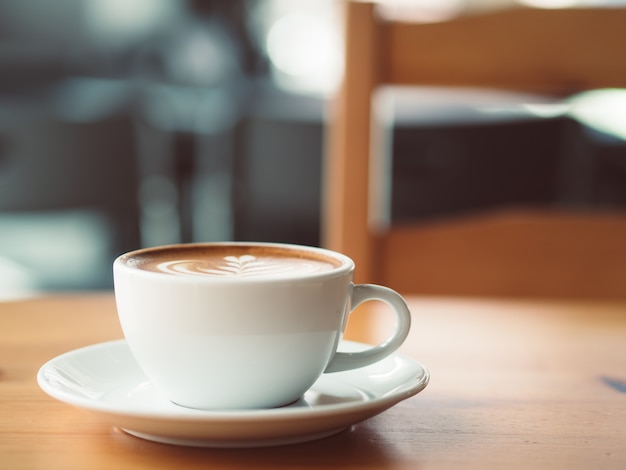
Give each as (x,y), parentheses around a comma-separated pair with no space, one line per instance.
(240,343)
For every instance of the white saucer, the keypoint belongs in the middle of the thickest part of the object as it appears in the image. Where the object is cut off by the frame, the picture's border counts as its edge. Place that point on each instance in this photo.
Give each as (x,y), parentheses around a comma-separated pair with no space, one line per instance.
(104,378)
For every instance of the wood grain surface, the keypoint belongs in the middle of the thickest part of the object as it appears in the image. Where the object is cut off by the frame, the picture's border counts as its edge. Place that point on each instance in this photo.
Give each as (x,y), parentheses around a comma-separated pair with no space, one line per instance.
(514,384)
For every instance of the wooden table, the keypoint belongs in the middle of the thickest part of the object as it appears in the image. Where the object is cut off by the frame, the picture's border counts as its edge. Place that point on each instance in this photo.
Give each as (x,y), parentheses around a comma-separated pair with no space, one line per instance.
(514,384)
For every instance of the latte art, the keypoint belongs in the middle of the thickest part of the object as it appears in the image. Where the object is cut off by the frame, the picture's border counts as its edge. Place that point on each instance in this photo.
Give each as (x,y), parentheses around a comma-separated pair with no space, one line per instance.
(243,266)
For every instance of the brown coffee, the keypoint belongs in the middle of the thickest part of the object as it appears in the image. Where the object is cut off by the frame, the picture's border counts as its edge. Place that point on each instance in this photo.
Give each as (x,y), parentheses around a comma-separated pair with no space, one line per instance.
(230,261)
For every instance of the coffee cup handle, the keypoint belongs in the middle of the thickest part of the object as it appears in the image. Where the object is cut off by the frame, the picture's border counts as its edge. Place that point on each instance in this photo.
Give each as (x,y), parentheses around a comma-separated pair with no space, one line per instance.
(363,293)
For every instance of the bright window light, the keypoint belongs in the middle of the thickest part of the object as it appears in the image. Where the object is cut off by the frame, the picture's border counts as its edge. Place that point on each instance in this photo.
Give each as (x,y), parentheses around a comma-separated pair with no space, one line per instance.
(422,11)
(550,3)
(571,3)
(303,42)
(603,110)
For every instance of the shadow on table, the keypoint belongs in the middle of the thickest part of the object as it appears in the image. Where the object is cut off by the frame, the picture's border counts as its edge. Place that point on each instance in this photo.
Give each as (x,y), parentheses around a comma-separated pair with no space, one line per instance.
(358,447)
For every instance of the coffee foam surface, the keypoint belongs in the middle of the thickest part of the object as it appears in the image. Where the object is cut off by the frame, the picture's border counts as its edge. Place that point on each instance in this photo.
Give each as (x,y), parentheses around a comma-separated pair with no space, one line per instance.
(238,263)
(243,266)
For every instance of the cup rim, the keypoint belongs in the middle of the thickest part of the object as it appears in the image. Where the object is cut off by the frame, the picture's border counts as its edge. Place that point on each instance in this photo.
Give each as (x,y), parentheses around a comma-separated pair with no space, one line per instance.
(346,263)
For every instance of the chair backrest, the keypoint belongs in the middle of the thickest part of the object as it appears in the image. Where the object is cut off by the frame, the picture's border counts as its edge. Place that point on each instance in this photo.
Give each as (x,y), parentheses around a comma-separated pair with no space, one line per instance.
(558,52)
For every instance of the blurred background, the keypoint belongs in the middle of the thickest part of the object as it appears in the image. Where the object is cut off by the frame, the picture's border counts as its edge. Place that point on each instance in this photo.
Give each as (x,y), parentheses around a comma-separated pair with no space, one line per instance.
(128,124)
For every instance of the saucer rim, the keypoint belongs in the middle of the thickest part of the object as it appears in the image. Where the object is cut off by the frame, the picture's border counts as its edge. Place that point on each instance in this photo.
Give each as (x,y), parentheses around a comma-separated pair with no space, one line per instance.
(230,429)
(417,383)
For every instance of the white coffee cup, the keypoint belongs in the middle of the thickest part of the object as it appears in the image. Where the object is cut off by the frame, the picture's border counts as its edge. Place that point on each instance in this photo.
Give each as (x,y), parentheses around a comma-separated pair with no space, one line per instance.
(243,325)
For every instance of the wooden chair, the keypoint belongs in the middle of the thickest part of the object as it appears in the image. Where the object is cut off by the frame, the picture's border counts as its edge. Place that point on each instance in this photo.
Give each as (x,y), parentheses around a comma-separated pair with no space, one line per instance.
(518,253)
